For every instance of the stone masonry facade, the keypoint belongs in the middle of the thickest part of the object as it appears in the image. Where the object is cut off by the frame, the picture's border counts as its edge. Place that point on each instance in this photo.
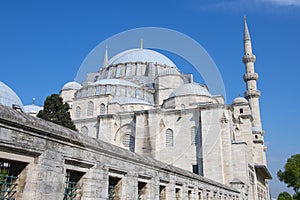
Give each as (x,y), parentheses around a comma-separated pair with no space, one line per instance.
(44,157)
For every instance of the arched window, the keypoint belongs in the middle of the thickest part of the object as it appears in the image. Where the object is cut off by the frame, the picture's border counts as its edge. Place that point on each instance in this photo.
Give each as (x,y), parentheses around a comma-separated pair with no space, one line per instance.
(84,130)
(128,141)
(78,112)
(90,108)
(102,109)
(169,138)
(182,106)
(194,136)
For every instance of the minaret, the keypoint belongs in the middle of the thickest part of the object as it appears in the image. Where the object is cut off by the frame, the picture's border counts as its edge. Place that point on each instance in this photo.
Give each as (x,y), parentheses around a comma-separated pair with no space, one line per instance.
(105,60)
(252,94)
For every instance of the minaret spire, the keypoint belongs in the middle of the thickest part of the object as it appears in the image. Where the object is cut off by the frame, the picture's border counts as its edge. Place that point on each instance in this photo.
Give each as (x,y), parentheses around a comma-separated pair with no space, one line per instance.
(247,39)
(105,60)
(246,31)
(252,94)
(141,43)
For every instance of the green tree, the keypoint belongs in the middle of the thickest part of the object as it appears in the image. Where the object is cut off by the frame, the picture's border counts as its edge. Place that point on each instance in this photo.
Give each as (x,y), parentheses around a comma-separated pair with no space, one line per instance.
(291,174)
(284,196)
(56,111)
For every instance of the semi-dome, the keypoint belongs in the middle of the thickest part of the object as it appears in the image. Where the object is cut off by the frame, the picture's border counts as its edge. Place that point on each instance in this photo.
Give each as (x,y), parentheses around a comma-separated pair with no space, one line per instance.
(141,55)
(8,97)
(240,100)
(73,85)
(190,89)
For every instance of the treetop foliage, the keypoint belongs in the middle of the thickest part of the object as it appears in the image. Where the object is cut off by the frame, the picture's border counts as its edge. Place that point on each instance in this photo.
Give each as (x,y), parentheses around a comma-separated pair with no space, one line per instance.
(56,111)
(291,174)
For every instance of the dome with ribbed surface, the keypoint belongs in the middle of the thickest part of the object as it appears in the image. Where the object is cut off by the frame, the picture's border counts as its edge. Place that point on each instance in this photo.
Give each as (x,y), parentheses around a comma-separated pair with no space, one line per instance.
(73,85)
(8,97)
(140,55)
(190,89)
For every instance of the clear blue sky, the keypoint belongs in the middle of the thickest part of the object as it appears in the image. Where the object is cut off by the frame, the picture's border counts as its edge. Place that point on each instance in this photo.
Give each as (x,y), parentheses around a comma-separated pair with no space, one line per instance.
(43,43)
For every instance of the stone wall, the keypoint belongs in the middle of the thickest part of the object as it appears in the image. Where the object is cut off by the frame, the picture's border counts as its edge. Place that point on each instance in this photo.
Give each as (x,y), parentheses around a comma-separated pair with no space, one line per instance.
(53,155)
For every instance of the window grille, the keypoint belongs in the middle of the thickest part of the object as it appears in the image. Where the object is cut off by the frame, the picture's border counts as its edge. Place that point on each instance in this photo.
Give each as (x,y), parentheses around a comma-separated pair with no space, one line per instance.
(141,190)
(114,188)
(9,172)
(71,184)
(128,141)
(78,112)
(84,130)
(169,138)
(90,109)
(8,183)
(194,136)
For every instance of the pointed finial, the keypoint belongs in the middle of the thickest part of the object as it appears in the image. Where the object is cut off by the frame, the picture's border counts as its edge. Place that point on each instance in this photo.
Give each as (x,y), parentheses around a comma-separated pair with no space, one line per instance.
(246,31)
(141,43)
(105,60)
(33,101)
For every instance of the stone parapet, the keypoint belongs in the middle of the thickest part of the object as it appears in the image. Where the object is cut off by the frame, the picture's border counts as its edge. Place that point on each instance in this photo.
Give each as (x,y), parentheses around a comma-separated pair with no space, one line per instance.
(250,76)
(252,93)
(249,58)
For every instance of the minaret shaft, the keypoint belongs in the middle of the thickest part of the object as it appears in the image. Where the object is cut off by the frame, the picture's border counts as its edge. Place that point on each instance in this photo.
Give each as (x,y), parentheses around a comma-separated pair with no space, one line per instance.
(252,94)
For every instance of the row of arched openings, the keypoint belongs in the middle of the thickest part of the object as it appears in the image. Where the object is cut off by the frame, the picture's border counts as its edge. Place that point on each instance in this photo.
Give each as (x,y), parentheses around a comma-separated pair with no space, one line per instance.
(90,109)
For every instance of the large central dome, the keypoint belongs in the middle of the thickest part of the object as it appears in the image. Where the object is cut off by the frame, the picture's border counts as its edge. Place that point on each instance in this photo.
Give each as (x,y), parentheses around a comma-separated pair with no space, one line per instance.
(141,55)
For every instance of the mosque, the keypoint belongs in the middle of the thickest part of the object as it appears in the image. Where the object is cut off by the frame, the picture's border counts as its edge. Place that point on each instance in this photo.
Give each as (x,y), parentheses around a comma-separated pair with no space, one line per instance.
(140,101)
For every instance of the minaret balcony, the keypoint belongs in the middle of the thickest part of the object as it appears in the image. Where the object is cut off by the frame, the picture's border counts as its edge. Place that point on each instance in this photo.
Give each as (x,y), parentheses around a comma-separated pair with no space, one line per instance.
(252,93)
(250,76)
(249,58)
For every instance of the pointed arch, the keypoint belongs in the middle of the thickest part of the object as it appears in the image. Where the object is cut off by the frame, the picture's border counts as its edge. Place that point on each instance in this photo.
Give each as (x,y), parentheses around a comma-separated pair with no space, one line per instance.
(124,137)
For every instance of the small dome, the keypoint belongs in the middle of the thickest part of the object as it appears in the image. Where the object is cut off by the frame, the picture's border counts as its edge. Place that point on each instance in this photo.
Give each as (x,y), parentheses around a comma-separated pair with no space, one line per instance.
(240,100)
(114,82)
(141,55)
(32,109)
(190,89)
(8,97)
(73,85)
